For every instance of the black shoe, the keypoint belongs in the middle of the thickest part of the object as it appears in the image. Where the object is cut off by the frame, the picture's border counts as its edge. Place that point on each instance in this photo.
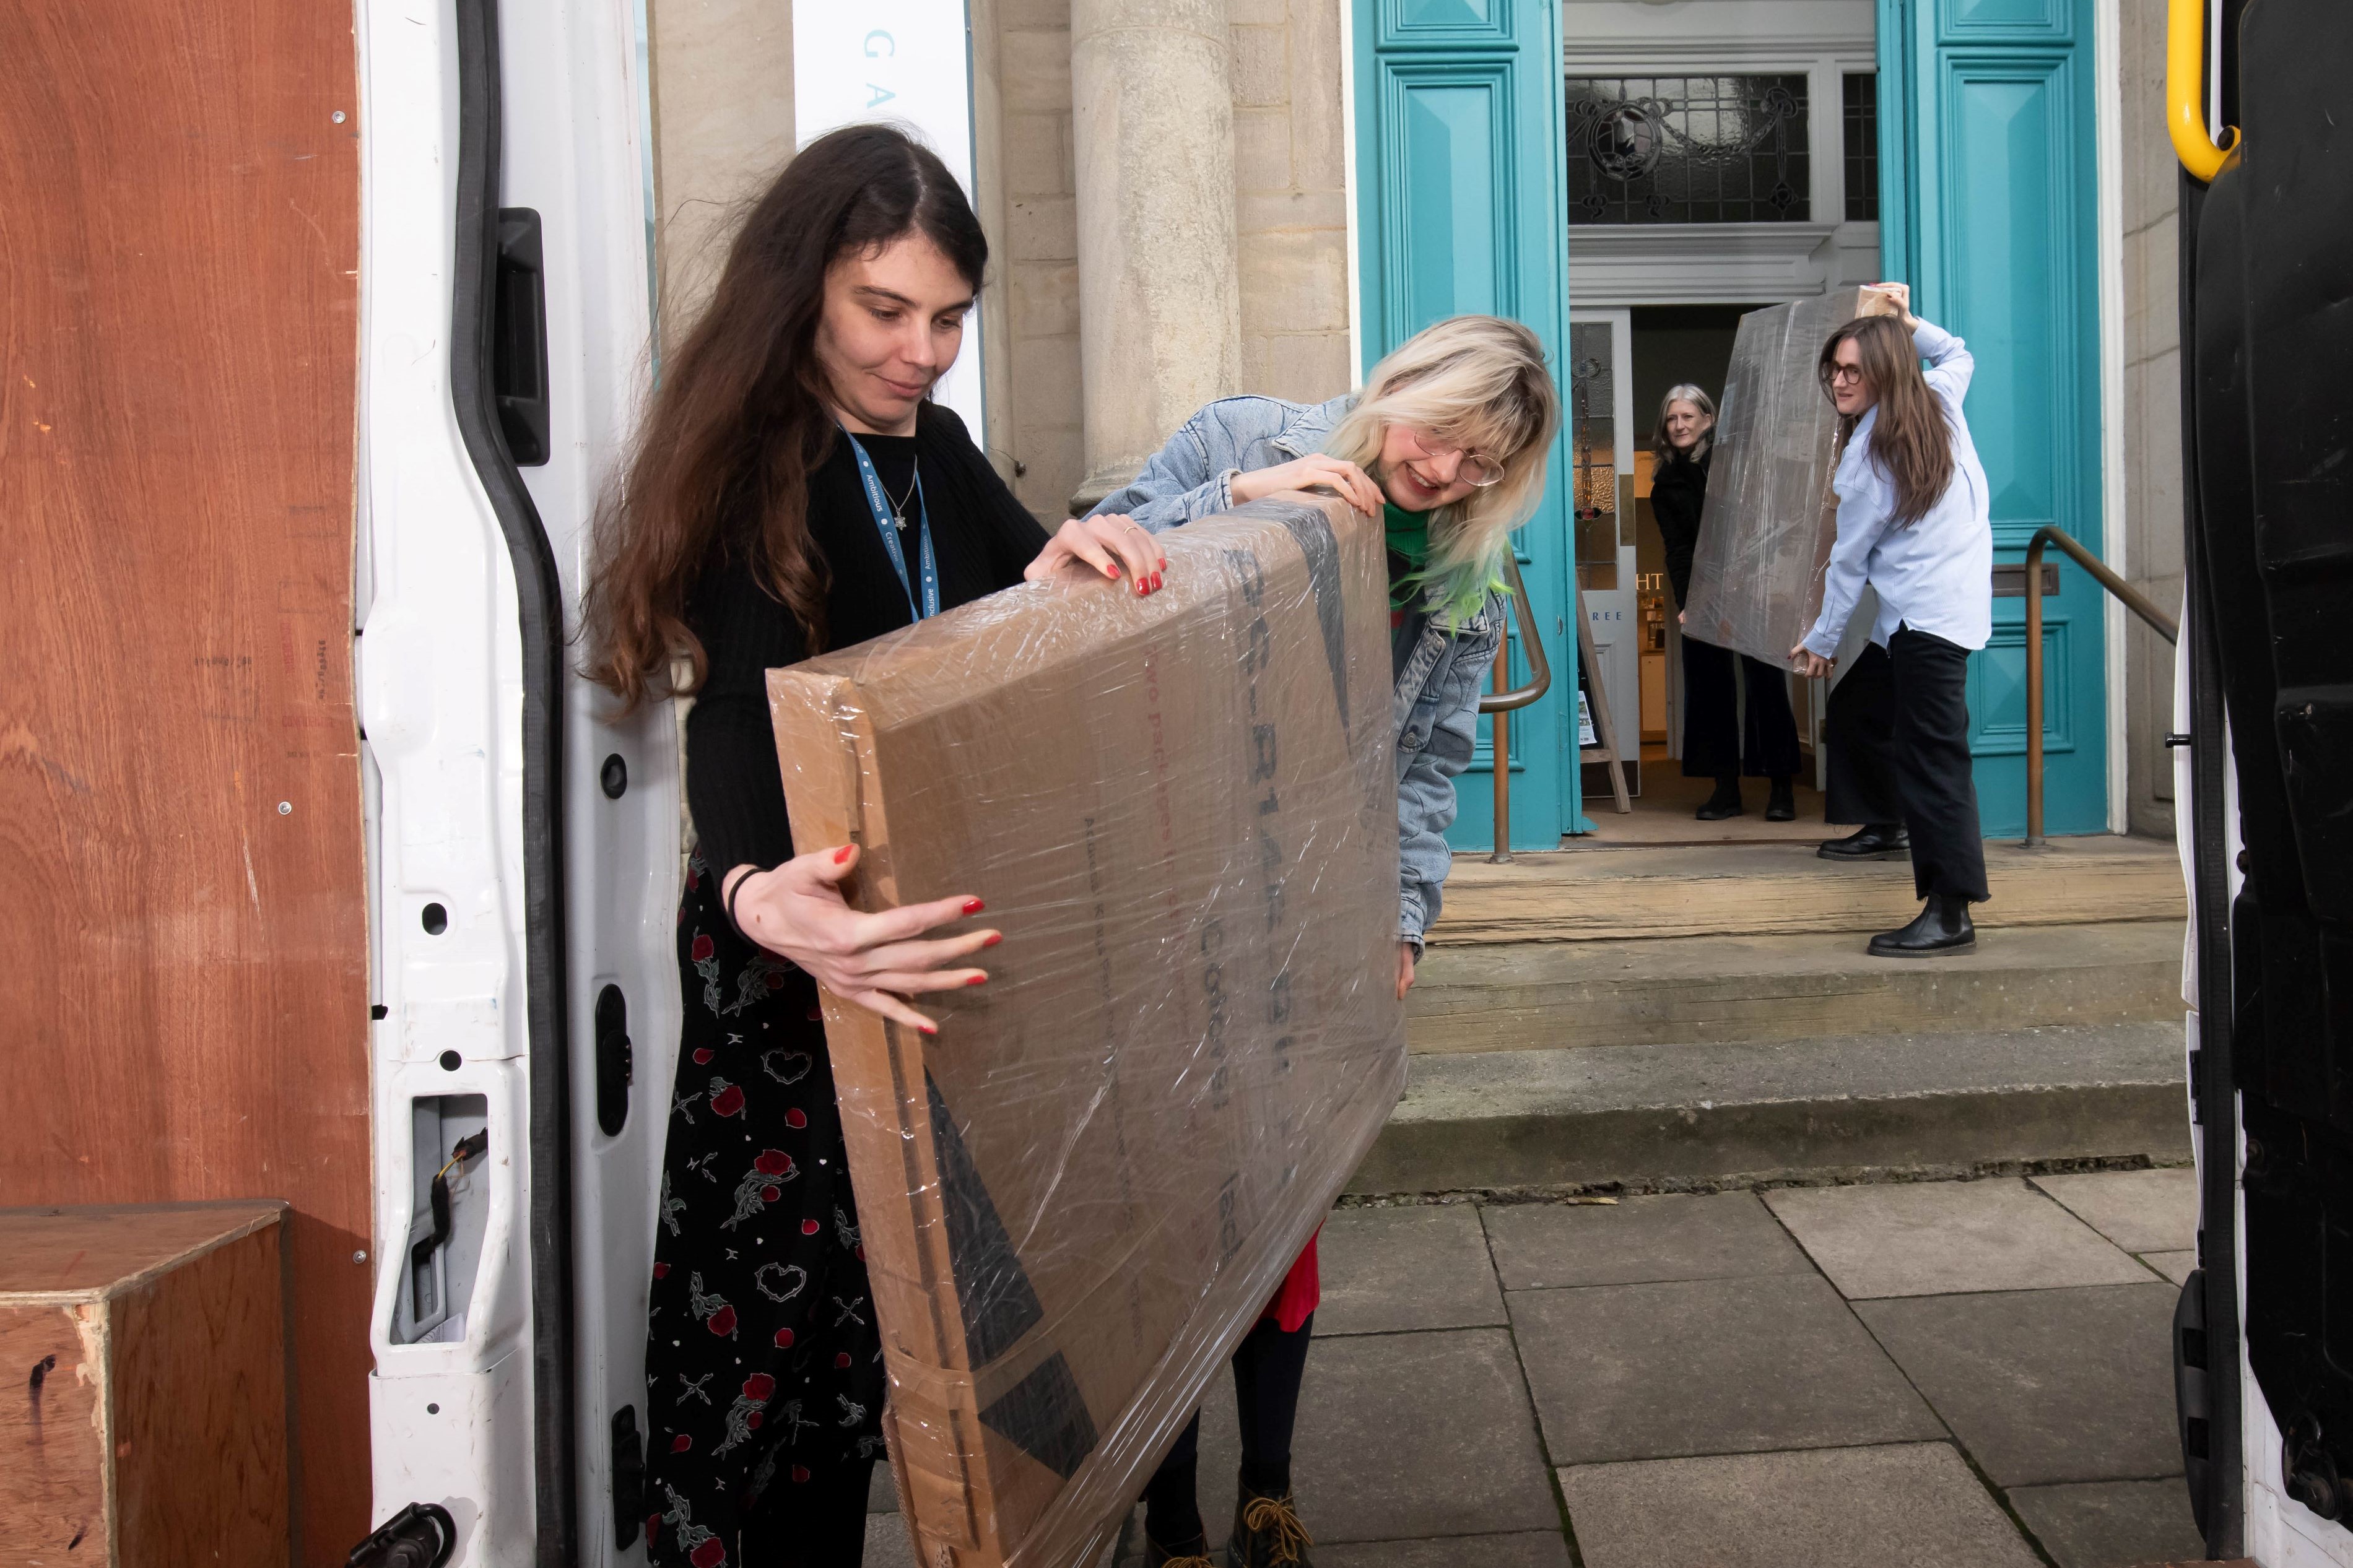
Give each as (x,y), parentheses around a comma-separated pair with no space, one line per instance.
(1783,806)
(1875,841)
(1724,802)
(1267,1533)
(1942,927)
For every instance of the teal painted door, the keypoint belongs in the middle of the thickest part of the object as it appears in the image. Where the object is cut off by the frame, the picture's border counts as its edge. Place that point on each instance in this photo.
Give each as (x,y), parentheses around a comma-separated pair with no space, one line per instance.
(1459,143)
(1989,208)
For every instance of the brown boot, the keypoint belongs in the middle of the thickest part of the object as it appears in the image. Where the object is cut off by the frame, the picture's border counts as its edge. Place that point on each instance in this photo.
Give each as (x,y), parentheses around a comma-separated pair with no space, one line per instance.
(1267,1533)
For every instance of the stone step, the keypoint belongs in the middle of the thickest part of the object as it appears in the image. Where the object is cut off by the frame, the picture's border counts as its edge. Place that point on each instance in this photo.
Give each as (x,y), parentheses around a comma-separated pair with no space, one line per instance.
(1525,996)
(1768,890)
(1837,1108)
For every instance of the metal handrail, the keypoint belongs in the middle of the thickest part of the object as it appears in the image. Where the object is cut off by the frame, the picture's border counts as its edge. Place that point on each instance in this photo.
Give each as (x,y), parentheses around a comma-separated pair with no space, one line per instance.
(1501,702)
(2126,595)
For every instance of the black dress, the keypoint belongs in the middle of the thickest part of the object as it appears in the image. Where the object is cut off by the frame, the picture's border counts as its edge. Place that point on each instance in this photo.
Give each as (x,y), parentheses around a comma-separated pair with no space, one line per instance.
(1714,739)
(764,1367)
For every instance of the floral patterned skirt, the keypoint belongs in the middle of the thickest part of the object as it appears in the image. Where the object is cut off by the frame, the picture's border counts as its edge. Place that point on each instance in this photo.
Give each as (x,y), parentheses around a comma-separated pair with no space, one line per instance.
(763,1366)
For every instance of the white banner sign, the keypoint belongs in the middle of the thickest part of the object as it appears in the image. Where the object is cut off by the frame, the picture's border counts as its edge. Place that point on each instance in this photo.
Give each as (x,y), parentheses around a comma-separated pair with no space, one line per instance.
(908,63)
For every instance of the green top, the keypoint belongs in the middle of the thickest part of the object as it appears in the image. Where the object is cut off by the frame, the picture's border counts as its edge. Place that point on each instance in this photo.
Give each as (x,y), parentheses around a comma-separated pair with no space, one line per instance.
(1409,535)
(1458,595)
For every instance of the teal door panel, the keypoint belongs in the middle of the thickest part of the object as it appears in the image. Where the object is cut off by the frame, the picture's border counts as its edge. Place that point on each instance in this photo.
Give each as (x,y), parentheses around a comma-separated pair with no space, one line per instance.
(1459,136)
(1989,209)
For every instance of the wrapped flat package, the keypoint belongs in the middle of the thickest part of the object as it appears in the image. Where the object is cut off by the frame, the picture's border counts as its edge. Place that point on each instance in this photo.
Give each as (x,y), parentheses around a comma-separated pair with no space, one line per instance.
(1181,811)
(1765,537)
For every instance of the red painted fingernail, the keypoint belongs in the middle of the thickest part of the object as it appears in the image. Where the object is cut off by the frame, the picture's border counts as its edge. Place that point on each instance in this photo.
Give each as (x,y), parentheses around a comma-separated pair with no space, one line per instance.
(928,1028)
(1113,568)
(977,980)
(974,906)
(1155,582)
(842,854)
(993,939)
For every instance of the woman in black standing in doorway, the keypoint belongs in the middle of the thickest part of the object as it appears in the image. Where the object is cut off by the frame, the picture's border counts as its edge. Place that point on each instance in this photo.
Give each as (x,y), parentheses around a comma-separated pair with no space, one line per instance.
(1715,738)
(792,490)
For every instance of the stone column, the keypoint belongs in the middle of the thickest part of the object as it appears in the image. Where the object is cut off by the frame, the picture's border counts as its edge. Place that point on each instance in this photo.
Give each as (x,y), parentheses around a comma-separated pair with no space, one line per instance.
(1159,285)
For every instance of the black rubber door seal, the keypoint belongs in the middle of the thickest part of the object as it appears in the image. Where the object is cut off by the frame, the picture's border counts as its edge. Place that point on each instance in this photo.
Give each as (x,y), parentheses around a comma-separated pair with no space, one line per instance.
(539,595)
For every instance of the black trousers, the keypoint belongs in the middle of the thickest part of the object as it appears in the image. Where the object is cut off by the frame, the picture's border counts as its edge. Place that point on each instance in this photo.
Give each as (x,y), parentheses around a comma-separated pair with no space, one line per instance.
(1898,729)
(1269,1367)
(1714,739)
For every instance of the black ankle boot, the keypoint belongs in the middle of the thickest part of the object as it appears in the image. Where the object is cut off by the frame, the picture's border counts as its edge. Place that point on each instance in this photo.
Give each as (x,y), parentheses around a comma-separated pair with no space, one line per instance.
(1724,802)
(1942,927)
(1267,1532)
(1783,806)
(1875,841)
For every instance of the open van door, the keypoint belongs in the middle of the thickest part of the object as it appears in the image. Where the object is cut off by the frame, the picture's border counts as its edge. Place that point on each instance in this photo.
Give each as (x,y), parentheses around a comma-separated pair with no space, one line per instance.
(522,844)
(2265,1337)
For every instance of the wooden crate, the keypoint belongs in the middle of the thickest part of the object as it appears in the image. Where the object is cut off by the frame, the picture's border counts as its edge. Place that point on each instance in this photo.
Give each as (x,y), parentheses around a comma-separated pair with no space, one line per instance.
(151,1340)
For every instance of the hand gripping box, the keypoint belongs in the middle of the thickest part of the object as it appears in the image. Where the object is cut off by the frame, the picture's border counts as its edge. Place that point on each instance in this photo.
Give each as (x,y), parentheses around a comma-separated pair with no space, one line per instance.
(1765,539)
(1182,812)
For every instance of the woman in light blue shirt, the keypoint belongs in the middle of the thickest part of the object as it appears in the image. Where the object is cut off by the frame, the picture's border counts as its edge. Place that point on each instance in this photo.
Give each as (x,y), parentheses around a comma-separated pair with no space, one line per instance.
(1914,525)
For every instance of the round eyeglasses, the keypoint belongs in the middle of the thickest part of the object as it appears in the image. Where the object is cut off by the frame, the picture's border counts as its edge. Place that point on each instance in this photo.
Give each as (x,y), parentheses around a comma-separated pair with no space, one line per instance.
(1476,469)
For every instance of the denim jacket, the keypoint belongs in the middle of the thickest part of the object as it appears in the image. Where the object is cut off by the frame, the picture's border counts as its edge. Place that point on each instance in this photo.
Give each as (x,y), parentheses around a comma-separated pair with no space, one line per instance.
(1435,707)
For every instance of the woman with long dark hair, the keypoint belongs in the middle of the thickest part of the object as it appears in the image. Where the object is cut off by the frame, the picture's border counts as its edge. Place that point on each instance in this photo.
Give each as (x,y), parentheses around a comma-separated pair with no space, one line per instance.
(1715,738)
(1915,523)
(791,489)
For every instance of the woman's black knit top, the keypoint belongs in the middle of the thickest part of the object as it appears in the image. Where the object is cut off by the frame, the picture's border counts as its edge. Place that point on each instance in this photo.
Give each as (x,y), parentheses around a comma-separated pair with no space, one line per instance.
(1678,493)
(981,538)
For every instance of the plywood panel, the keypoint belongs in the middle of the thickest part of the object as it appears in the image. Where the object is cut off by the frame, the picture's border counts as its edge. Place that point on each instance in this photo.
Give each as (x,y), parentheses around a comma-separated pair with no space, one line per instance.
(54,1503)
(184,1001)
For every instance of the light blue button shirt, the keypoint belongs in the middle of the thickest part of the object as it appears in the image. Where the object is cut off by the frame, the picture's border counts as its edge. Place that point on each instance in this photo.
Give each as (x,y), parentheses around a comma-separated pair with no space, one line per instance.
(1935,576)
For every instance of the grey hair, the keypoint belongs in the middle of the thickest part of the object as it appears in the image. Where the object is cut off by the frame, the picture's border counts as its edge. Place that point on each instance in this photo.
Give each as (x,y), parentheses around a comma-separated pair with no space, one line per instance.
(1684,392)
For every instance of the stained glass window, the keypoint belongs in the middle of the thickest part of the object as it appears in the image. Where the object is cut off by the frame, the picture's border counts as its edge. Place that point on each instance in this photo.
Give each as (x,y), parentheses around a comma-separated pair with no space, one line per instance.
(1860,123)
(1701,149)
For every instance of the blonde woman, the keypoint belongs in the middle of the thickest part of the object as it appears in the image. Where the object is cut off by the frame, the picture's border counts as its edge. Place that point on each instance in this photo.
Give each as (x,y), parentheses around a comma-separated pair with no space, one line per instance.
(1447,443)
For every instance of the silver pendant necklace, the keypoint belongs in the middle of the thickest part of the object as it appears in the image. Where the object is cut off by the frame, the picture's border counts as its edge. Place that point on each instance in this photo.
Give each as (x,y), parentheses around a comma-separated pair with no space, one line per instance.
(899,506)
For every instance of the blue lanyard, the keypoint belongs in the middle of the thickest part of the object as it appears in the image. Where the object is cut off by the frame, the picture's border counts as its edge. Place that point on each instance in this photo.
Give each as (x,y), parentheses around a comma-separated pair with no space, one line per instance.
(885,526)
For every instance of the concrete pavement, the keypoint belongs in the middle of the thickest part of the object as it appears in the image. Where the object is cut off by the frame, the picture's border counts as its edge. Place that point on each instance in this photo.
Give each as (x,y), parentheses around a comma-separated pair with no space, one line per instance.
(1962,1374)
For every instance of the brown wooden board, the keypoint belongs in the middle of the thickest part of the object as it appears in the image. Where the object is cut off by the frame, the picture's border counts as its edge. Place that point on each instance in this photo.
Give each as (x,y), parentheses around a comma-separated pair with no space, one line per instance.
(184,1000)
(154,1427)
(1182,813)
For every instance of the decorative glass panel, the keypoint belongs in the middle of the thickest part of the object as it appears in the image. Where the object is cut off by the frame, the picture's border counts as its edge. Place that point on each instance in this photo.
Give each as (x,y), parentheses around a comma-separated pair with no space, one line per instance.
(1703,149)
(1859,116)
(1593,452)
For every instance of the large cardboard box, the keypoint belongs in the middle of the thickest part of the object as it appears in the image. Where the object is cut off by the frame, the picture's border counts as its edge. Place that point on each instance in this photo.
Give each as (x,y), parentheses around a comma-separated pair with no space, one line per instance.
(1181,811)
(1765,539)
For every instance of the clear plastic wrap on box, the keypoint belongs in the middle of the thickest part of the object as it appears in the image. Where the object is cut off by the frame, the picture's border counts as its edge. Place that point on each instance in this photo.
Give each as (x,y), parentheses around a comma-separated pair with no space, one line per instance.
(1765,538)
(1182,812)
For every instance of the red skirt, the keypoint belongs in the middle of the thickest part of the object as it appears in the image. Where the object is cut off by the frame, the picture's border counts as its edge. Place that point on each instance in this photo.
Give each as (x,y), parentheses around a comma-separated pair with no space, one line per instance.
(1301,1290)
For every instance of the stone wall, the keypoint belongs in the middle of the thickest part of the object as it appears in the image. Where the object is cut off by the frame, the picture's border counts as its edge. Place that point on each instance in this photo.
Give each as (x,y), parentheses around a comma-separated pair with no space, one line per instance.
(2151,414)
(1292,196)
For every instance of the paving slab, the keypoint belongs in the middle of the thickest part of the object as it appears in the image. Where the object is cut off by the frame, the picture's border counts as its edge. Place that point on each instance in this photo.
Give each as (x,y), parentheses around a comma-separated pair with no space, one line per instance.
(1638,1241)
(1912,1506)
(887,1542)
(1708,1366)
(1417,1267)
(1401,1438)
(2140,1211)
(1927,1238)
(2174,1266)
(2045,1385)
(1528,1549)
(2111,1524)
